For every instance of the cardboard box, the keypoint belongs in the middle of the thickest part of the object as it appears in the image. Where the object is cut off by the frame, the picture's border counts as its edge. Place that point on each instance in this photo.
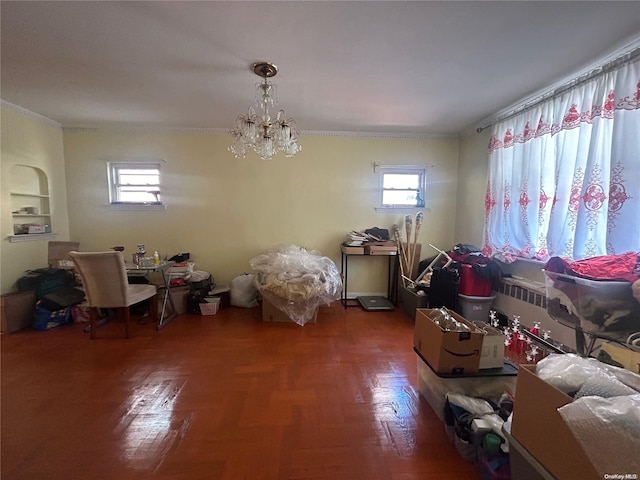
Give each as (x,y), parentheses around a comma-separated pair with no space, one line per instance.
(447,352)
(352,250)
(270,313)
(492,346)
(540,429)
(179,296)
(17,310)
(37,228)
(522,465)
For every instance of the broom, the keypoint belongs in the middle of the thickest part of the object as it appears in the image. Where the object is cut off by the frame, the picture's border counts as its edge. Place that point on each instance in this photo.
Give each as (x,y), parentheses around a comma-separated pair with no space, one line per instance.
(415,241)
(398,238)
(408,226)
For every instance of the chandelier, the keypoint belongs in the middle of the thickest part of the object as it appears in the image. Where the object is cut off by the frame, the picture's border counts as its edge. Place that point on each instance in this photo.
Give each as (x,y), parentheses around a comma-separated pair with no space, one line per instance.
(256,130)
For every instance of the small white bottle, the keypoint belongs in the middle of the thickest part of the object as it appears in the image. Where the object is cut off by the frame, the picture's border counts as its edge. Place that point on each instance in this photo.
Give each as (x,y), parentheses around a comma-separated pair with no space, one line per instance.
(156,258)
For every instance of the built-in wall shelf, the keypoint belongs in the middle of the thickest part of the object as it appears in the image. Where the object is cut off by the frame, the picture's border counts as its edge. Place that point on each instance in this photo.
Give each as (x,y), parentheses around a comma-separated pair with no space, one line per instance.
(30,237)
(30,203)
(21,194)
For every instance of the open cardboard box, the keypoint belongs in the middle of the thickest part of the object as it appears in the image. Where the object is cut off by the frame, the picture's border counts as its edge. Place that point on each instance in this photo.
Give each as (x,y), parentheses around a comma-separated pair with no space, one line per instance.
(447,352)
(541,430)
(492,346)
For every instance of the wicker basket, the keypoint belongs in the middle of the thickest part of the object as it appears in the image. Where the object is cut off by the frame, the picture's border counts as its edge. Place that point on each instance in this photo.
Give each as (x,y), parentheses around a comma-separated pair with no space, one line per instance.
(211,306)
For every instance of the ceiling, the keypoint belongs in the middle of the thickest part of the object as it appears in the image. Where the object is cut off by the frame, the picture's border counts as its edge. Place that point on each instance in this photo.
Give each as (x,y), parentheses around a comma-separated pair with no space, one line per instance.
(399,68)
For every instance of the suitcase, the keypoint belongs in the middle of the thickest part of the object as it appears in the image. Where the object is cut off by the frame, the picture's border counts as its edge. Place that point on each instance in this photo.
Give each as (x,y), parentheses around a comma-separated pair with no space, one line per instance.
(443,289)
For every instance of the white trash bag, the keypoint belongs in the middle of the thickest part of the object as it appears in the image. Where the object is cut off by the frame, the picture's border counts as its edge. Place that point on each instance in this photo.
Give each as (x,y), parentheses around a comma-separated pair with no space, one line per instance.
(243,291)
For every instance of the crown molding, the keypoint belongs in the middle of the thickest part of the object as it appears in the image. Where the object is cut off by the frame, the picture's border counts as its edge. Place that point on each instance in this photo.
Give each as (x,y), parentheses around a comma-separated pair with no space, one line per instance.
(143,129)
(380,135)
(35,116)
(225,131)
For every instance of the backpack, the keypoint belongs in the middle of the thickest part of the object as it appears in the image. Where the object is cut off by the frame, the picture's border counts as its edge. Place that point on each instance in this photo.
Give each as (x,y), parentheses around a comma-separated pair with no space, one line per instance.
(45,280)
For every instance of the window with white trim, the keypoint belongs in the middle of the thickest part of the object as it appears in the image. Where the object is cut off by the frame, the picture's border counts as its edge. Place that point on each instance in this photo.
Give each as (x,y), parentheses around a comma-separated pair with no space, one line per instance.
(134,183)
(402,186)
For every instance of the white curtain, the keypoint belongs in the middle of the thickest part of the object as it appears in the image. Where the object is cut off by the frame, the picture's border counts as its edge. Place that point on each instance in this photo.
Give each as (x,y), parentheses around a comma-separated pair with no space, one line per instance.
(564,176)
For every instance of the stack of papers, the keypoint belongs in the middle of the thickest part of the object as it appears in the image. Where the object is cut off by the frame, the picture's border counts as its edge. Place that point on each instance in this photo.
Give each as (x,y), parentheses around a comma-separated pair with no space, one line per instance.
(355,239)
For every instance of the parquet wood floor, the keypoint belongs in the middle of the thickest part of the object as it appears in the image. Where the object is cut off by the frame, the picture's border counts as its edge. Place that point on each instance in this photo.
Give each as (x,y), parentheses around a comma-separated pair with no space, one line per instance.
(222,397)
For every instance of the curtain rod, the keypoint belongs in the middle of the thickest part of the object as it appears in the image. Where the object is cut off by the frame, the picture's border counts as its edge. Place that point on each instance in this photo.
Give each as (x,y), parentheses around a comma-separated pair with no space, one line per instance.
(603,69)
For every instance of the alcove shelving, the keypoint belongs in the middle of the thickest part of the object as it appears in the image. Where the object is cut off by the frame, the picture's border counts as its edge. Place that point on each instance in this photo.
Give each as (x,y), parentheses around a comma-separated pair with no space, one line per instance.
(30,207)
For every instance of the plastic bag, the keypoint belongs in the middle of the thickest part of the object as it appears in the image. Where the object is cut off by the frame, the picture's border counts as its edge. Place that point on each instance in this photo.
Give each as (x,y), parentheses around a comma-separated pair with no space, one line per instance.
(603,384)
(569,372)
(243,291)
(297,281)
(608,429)
(475,406)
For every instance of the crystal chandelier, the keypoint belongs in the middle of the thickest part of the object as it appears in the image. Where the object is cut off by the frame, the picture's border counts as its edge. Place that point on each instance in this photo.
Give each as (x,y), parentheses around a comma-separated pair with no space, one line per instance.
(256,130)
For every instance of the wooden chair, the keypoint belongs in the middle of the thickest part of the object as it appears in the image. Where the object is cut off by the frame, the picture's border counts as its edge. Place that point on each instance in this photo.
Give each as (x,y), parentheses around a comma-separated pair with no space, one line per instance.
(104,278)
(58,254)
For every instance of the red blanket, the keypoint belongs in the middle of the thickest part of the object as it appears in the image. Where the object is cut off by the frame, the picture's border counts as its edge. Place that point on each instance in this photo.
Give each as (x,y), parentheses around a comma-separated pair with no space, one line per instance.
(607,267)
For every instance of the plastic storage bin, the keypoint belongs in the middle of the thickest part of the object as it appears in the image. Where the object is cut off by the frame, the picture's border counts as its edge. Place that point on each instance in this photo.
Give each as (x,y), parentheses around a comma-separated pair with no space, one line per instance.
(412,300)
(475,308)
(472,284)
(603,308)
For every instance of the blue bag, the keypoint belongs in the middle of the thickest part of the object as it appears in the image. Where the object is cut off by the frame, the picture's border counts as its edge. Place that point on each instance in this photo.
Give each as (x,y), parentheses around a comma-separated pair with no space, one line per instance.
(45,319)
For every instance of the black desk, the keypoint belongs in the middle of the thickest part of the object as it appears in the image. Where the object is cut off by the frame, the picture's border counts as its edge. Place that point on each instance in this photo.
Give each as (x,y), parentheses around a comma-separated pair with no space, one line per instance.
(344,268)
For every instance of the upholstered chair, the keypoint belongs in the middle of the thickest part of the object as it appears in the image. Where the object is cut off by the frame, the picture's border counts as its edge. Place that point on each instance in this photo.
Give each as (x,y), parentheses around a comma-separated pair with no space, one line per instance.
(105,283)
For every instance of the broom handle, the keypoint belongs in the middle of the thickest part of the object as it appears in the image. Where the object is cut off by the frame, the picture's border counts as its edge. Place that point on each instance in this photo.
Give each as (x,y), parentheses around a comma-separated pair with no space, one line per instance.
(413,251)
(408,225)
(396,234)
(415,242)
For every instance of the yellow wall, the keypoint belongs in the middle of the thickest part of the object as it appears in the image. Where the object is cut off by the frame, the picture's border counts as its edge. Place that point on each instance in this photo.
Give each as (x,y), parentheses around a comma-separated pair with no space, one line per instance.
(472,185)
(224,211)
(27,140)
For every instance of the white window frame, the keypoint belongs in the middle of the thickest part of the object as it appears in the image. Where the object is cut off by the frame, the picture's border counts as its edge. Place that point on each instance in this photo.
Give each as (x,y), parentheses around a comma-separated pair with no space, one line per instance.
(114,187)
(383,170)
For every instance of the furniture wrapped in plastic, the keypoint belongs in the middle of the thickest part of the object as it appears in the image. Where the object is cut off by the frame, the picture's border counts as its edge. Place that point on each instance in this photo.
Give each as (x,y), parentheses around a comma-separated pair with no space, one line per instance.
(296,281)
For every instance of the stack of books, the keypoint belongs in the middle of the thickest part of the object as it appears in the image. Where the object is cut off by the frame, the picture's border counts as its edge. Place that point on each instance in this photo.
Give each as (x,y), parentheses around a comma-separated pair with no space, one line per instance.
(356,239)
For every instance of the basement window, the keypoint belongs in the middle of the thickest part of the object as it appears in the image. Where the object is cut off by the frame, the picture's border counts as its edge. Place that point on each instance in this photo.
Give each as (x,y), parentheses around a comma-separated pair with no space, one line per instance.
(401,186)
(134,184)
